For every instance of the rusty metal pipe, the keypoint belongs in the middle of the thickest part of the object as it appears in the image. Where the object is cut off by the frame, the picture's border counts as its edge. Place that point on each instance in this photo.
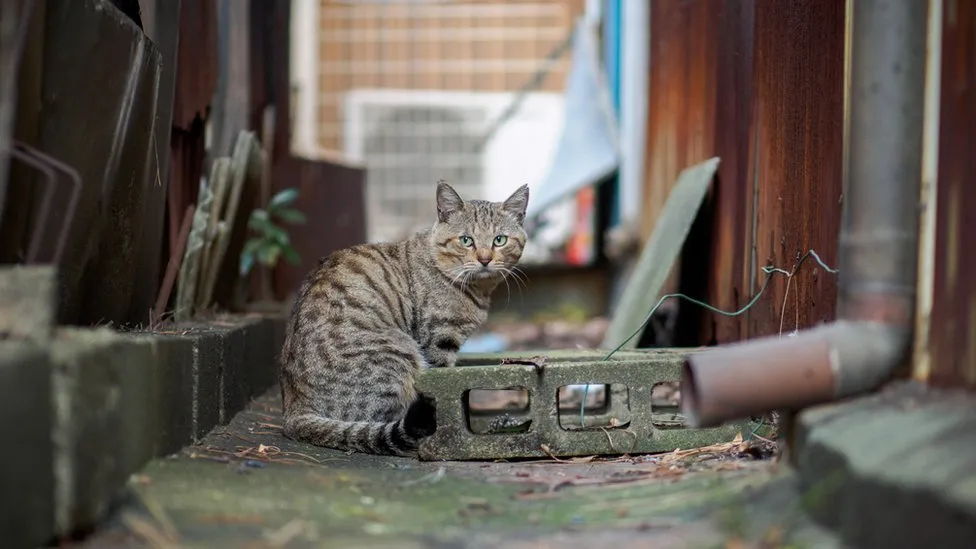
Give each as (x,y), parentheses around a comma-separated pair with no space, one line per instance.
(878,245)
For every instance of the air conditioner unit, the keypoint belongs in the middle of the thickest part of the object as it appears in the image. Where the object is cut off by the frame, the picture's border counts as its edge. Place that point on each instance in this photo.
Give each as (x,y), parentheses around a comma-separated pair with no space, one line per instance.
(410,139)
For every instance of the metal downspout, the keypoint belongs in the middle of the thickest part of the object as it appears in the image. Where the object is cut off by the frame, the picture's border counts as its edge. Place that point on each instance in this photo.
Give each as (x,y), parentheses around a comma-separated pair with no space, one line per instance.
(878,245)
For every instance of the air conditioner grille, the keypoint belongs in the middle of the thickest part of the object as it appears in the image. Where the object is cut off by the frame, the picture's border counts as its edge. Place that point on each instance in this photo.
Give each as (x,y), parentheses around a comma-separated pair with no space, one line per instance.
(406,150)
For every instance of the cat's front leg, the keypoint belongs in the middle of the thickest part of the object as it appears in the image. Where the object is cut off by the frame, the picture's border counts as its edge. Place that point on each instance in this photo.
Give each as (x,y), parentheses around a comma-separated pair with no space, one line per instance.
(443,350)
(443,354)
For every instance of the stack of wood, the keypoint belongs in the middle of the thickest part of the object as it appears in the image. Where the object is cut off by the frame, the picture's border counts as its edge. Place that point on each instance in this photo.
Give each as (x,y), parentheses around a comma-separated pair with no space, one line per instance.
(209,232)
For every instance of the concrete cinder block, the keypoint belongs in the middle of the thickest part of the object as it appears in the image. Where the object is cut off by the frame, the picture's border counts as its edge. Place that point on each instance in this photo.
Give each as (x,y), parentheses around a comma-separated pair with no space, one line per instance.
(250,365)
(234,392)
(260,352)
(27,475)
(28,302)
(174,383)
(638,371)
(206,364)
(105,419)
(233,362)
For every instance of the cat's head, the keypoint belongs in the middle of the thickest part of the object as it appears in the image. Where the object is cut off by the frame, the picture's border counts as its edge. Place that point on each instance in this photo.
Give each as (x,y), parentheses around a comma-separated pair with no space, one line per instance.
(478,240)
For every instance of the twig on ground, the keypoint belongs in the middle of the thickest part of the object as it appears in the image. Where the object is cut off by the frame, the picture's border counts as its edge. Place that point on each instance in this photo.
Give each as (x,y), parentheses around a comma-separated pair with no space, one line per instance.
(432,478)
(148,532)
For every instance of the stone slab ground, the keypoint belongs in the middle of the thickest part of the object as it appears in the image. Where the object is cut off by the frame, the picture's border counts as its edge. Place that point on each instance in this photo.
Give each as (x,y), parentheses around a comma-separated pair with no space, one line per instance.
(245,485)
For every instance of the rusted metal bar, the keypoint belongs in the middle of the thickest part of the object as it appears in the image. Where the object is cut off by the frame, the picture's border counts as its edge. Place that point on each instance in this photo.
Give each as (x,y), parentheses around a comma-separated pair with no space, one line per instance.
(877,245)
(173,267)
(48,165)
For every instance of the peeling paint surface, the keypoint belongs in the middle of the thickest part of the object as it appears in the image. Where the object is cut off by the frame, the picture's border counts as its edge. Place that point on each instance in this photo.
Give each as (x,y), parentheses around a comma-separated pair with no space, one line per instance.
(953,321)
(761,86)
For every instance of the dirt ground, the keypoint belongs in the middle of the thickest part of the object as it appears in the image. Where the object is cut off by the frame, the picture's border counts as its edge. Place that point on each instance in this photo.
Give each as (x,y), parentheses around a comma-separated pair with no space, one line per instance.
(245,485)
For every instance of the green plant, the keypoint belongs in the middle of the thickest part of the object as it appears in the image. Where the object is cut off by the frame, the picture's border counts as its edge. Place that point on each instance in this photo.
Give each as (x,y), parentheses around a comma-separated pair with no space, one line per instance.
(271,242)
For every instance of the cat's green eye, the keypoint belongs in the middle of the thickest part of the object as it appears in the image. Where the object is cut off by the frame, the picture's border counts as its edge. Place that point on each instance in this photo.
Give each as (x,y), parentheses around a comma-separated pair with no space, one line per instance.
(466,241)
(500,240)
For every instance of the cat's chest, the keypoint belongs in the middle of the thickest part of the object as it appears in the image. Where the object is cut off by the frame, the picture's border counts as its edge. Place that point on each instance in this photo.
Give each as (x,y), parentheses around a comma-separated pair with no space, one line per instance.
(437,314)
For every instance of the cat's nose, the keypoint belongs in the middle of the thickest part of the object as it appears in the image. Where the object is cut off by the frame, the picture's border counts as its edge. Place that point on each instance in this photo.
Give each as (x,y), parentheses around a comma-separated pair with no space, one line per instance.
(484,260)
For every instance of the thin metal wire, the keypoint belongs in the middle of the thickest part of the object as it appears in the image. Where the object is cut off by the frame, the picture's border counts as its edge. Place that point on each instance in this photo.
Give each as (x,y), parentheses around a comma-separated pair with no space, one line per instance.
(769,270)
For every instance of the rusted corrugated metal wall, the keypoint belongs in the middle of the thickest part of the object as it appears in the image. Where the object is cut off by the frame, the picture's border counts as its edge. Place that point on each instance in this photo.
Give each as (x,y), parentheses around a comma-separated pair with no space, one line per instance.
(952,328)
(91,93)
(681,105)
(759,84)
(196,81)
(798,171)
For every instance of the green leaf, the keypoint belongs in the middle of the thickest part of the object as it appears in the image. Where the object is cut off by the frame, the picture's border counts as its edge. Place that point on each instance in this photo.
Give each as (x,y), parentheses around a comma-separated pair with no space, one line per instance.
(294,217)
(291,255)
(247,263)
(269,256)
(269,230)
(259,215)
(251,246)
(282,199)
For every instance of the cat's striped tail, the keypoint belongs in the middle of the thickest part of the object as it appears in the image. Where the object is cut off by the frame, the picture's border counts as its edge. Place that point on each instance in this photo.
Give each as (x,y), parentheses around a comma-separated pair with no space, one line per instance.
(399,438)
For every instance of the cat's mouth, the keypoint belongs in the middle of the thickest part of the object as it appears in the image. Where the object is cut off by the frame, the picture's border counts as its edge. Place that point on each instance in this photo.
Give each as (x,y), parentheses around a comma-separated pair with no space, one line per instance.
(486,272)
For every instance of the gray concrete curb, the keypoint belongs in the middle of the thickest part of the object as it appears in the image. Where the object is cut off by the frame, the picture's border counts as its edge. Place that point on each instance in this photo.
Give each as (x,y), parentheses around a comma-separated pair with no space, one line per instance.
(111,402)
(895,469)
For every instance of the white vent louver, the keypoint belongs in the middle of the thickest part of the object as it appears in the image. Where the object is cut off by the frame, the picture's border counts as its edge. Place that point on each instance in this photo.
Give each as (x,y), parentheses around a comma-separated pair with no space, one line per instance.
(408,140)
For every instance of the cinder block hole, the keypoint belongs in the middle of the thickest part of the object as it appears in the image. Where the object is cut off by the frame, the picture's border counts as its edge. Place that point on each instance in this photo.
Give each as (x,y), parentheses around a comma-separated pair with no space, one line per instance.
(665,406)
(607,406)
(497,411)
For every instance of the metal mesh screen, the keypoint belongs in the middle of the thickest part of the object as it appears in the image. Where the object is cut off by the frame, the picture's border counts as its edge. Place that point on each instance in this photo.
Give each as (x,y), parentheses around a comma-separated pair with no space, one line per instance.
(410,88)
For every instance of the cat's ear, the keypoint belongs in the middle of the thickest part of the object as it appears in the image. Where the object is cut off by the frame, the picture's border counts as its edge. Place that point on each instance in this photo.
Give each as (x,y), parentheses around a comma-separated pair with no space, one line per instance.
(448,201)
(517,203)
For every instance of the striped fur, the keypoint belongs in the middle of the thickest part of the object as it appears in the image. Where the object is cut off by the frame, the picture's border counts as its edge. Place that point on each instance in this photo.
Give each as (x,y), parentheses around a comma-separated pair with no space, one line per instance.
(368,319)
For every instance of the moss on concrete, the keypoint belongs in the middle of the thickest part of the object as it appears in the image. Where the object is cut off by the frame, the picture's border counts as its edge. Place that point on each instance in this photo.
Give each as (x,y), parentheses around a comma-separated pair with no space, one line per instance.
(215,496)
(202,498)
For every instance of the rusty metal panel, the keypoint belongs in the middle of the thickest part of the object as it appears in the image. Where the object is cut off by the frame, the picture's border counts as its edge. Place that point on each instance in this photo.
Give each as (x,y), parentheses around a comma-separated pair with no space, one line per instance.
(728,281)
(162,26)
(681,101)
(798,83)
(100,69)
(268,78)
(196,77)
(185,170)
(333,197)
(953,320)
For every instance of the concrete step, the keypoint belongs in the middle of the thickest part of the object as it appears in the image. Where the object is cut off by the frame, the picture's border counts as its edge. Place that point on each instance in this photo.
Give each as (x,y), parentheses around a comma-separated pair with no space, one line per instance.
(89,407)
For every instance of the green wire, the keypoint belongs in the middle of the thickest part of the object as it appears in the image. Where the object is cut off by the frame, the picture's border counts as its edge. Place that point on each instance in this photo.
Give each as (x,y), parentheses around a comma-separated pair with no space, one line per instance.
(769,270)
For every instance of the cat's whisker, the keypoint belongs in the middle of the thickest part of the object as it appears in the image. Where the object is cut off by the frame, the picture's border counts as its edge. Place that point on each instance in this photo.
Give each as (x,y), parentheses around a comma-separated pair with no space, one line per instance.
(521,274)
(516,273)
(508,290)
(518,282)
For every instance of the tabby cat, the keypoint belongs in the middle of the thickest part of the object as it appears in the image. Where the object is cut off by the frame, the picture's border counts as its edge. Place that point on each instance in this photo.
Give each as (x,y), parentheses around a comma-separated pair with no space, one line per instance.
(368,319)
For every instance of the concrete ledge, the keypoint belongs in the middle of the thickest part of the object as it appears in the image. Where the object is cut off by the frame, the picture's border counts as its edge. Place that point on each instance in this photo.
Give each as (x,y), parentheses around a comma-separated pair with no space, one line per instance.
(96,405)
(26,478)
(106,419)
(28,295)
(896,469)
